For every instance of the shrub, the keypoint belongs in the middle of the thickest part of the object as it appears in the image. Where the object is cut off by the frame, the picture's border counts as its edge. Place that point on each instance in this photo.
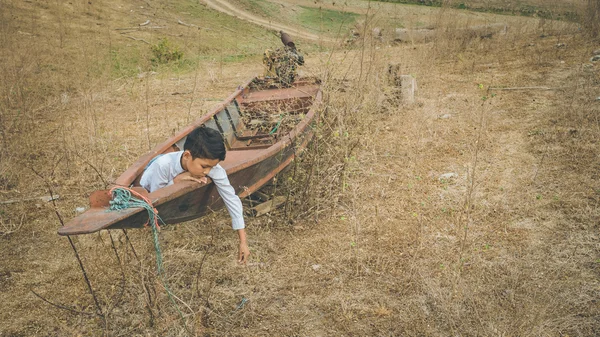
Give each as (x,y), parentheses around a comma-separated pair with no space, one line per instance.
(164,52)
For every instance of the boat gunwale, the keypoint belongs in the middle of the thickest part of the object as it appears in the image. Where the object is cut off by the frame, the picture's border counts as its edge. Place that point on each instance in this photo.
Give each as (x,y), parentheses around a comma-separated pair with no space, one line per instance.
(173,191)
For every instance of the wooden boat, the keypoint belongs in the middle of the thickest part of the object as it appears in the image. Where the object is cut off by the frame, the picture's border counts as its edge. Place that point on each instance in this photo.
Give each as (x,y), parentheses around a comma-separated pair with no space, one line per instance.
(264,128)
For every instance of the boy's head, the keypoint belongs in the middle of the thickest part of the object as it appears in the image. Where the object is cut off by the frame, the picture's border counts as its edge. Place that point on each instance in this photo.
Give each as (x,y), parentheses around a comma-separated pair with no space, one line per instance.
(203,149)
(205,143)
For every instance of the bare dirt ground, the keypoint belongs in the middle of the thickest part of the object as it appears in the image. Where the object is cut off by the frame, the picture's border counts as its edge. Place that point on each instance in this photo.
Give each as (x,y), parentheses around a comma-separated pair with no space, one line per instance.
(472,212)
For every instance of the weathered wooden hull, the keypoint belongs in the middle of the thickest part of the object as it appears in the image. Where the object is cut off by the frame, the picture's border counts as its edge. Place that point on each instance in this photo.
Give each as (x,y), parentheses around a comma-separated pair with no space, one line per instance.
(252,160)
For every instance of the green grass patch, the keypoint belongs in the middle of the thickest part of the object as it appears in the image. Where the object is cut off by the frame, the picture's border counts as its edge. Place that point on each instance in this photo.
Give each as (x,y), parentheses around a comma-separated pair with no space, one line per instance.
(326,20)
(546,12)
(124,62)
(264,8)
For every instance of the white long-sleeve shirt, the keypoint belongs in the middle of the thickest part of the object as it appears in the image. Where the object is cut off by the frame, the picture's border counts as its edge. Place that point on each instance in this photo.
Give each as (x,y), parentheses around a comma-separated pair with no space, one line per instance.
(164,169)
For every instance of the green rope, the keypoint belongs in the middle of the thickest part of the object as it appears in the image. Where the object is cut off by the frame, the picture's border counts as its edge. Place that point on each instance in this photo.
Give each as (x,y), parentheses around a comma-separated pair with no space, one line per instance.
(277,126)
(122,199)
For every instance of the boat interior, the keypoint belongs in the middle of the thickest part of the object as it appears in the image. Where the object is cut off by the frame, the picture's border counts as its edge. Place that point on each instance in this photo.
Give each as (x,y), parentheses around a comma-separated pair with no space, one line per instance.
(256,119)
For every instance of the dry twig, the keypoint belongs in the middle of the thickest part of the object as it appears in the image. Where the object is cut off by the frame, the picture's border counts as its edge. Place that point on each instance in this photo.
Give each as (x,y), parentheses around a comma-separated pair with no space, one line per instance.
(63,307)
(136,39)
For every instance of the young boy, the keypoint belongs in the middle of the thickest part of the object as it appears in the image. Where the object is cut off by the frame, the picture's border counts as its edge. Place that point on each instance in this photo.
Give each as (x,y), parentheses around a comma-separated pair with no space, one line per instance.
(203,150)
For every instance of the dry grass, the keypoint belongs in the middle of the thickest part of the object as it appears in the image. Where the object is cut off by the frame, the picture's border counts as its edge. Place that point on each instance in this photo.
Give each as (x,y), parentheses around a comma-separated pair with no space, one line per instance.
(591,18)
(372,241)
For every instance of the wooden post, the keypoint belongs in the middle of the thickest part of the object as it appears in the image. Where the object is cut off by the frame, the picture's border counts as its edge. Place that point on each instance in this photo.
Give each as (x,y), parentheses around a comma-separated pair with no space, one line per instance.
(408,87)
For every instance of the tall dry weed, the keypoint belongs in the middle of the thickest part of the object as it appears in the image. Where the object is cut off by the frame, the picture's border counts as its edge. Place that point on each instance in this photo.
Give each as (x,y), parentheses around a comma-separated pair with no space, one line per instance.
(316,182)
(591,18)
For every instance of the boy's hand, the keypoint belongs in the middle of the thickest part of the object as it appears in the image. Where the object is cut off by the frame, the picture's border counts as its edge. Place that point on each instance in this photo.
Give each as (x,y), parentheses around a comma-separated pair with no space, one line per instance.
(186,176)
(244,252)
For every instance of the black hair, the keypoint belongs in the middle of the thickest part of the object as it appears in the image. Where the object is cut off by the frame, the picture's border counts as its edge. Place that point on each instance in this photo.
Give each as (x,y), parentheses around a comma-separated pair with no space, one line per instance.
(206,143)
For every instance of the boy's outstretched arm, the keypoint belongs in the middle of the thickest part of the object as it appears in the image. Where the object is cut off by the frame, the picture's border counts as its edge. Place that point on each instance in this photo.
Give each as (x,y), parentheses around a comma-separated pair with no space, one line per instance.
(244,252)
(234,207)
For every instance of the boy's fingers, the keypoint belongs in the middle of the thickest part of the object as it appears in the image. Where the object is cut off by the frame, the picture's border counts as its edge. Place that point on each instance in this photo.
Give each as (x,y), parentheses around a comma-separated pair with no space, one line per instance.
(198,180)
(242,258)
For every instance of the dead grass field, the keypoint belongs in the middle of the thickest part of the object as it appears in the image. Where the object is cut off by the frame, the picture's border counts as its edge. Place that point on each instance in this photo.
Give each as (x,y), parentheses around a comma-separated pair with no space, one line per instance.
(506,244)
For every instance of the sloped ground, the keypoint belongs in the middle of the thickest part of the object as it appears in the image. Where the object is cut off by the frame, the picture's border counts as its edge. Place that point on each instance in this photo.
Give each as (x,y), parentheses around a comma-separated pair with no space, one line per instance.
(505,244)
(227,8)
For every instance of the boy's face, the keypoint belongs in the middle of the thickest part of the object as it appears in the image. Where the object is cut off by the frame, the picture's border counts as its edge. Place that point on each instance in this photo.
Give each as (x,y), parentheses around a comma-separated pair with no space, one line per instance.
(198,167)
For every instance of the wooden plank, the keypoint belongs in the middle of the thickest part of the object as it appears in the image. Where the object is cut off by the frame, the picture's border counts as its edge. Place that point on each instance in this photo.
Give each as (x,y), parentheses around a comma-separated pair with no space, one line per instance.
(268,206)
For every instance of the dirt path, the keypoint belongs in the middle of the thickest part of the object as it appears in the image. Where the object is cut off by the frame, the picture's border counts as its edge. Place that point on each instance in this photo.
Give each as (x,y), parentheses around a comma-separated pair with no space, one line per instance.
(227,8)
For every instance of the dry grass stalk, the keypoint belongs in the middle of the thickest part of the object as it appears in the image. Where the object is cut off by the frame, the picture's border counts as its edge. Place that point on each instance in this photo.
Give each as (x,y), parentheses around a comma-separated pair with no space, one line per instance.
(591,18)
